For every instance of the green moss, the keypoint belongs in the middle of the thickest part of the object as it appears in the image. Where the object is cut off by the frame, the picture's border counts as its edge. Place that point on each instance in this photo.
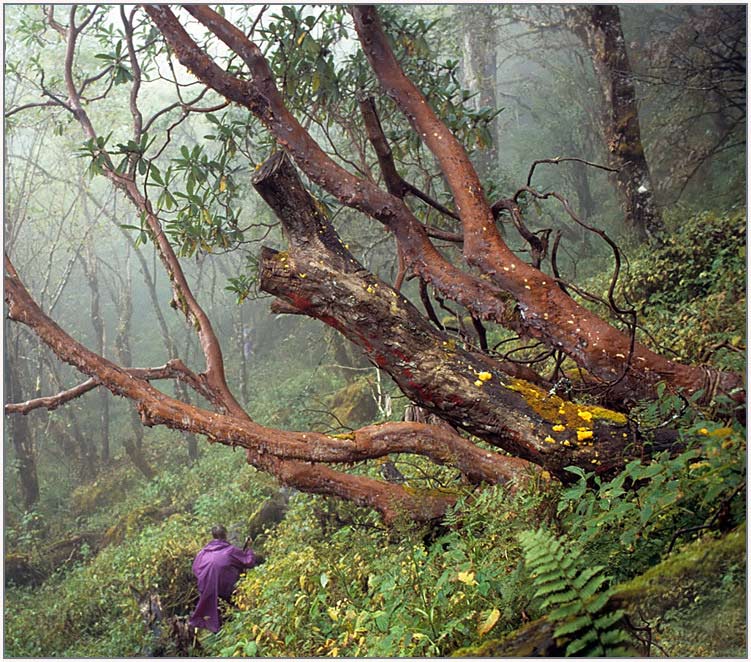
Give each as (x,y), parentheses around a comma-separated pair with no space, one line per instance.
(532,640)
(697,597)
(695,568)
(354,404)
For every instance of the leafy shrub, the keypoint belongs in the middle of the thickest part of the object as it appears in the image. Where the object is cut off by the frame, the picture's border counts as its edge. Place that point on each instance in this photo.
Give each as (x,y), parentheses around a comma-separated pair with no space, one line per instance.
(691,292)
(639,514)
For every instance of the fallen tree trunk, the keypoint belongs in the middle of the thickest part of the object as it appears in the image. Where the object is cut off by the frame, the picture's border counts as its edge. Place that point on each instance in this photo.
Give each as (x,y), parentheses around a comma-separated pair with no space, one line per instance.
(319,277)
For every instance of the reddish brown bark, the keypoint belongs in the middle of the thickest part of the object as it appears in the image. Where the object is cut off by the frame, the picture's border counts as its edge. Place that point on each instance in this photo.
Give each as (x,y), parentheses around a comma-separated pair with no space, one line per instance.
(547,313)
(517,296)
(319,277)
(294,458)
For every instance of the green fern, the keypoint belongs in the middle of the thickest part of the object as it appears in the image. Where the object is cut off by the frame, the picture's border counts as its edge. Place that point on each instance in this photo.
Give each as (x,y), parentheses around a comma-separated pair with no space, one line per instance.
(574,597)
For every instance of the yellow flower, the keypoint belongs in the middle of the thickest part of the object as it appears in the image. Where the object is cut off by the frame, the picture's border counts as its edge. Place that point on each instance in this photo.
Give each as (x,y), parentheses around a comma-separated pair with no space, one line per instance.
(478,383)
(583,433)
(559,428)
(586,415)
(704,431)
(545,475)
(467,578)
(698,465)
(550,440)
(485,376)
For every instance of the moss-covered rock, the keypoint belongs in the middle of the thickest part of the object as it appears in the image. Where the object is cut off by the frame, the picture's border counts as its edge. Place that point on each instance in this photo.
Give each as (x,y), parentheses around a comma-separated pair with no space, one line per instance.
(695,600)
(354,405)
(694,603)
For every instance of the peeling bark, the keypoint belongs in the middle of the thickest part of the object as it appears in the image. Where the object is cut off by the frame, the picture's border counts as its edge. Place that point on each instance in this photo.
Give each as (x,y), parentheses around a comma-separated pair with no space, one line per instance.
(319,277)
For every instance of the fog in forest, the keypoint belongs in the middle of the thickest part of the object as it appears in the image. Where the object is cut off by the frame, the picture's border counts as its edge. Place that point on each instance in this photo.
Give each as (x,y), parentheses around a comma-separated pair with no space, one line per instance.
(613,143)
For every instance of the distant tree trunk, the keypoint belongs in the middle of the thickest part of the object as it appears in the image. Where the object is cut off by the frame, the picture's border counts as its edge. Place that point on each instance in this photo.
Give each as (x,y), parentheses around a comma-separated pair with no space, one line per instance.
(599,28)
(133,445)
(90,270)
(19,429)
(478,47)
(86,450)
(169,344)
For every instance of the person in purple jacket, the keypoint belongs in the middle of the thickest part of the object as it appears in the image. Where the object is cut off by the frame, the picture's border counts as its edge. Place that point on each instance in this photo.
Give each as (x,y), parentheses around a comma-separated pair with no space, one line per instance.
(217,568)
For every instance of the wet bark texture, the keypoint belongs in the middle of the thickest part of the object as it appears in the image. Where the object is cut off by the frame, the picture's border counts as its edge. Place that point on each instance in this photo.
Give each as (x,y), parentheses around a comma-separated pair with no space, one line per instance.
(317,276)
(599,28)
(320,278)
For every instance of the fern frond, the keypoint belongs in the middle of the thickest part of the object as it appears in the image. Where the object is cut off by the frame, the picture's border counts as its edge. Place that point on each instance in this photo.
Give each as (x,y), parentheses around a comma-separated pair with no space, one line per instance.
(550,587)
(574,597)
(572,626)
(581,644)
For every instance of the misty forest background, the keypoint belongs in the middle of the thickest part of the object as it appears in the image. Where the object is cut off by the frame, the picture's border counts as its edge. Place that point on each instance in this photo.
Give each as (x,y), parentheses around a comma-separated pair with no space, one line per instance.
(104,515)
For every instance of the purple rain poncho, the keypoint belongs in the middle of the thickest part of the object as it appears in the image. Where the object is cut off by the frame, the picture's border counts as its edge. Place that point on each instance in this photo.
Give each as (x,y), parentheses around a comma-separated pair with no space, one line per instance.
(217,568)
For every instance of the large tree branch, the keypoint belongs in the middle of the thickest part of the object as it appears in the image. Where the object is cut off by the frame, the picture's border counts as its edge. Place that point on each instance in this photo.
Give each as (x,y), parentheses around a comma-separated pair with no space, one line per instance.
(293,457)
(174,369)
(263,99)
(550,314)
(542,310)
(319,277)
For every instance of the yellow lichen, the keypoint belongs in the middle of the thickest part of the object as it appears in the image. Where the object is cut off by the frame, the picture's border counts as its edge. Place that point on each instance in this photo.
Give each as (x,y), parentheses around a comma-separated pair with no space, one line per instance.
(485,376)
(478,383)
(583,433)
(556,410)
(559,428)
(550,440)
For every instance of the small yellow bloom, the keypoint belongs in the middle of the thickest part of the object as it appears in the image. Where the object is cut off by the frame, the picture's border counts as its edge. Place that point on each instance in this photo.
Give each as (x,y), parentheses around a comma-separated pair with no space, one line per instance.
(566,442)
(704,431)
(485,376)
(550,440)
(467,578)
(583,433)
(478,383)
(545,475)
(698,465)
(586,415)
(559,428)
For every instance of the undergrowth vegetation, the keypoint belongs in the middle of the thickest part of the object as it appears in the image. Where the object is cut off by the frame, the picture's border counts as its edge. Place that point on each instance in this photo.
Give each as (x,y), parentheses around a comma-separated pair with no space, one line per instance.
(337,583)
